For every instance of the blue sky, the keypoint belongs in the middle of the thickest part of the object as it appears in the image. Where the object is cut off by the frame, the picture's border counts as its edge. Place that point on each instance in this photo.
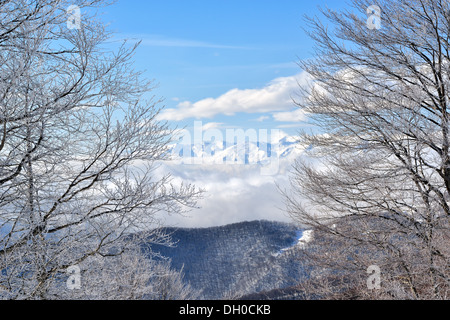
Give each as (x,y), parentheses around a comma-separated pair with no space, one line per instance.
(227,63)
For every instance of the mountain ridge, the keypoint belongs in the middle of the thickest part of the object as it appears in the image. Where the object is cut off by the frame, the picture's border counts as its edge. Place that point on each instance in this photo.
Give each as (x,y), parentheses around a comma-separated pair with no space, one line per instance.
(244,152)
(237,259)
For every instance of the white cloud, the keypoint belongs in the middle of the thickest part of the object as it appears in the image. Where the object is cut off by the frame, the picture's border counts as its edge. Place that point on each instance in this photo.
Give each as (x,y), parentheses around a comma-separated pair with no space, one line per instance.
(290,125)
(211,125)
(276,96)
(262,118)
(297,115)
(234,193)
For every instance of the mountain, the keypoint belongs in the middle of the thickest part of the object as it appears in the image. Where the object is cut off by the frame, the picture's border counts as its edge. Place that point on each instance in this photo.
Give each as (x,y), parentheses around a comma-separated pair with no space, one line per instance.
(243,152)
(236,260)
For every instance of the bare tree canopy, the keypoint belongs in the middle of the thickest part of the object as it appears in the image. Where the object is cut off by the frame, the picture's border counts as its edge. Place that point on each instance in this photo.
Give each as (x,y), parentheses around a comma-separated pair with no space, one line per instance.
(79,142)
(376,186)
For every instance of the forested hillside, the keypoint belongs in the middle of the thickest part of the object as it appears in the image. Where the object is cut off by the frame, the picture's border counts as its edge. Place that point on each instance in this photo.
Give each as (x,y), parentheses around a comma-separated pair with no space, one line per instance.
(235,260)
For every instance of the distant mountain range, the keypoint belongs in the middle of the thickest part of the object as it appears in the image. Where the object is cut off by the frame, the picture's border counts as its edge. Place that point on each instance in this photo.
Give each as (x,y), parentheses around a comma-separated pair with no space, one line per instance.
(236,260)
(218,152)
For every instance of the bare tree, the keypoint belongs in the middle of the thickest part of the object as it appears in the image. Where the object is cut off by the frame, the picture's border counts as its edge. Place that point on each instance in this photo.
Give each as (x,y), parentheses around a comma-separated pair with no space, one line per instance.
(376,186)
(129,276)
(79,146)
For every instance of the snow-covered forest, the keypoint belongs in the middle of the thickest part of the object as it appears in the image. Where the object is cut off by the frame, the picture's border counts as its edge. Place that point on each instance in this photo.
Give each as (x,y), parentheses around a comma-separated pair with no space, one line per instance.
(232,261)
(84,134)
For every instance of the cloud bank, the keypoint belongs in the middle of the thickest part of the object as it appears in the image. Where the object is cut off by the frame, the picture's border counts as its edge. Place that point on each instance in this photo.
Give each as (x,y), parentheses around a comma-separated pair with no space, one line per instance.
(234,193)
(275,97)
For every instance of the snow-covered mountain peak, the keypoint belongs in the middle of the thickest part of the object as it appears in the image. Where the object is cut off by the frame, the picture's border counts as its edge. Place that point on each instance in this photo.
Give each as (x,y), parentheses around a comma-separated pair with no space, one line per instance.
(225,152)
